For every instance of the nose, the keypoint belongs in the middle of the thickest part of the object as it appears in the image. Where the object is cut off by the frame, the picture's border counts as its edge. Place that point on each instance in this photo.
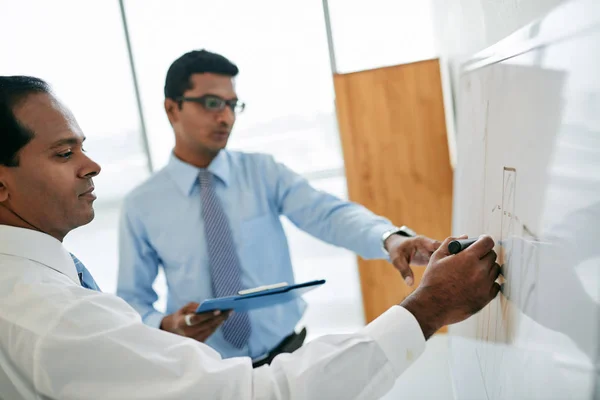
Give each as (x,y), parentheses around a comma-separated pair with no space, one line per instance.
(226,116)
(90,168)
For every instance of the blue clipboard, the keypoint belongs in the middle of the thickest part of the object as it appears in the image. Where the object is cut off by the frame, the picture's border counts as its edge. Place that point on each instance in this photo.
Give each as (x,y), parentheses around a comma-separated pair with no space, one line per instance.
(260,299)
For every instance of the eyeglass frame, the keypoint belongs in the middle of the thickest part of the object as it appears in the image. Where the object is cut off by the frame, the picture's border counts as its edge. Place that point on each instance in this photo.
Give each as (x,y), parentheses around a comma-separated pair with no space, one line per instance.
(233,104)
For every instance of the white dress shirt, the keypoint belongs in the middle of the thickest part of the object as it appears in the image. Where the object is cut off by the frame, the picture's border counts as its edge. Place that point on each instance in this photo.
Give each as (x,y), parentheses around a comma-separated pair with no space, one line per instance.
(59,340)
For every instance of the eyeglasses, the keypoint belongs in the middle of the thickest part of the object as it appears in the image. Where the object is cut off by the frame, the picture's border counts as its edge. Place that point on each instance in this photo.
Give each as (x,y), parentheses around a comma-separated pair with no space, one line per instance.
(215,103)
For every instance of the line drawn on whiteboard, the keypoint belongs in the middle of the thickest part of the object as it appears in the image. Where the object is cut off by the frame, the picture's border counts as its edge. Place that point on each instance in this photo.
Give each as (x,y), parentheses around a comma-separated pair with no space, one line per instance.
(518,254)
(507,225)
(529,284)
(509,187)
(499,314)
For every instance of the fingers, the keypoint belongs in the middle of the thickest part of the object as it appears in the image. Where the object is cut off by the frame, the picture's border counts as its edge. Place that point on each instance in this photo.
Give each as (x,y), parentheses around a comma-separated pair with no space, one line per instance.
(206,324)
(443,250)
(495,271)
(424,248)
(427,245)
(204,330)
(189,308)
(414,251)
(402,263)
(494,291)
(198,326)
(482,246)
(489,259)
(402,255)
(435,244)
(196,319)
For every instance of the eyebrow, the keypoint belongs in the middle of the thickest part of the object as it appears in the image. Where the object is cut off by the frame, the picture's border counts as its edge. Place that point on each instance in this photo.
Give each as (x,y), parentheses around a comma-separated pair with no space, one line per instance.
(221,97)
(67,141)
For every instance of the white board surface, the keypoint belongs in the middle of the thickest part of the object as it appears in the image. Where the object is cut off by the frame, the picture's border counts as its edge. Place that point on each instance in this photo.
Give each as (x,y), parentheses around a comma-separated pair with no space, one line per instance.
(528,173)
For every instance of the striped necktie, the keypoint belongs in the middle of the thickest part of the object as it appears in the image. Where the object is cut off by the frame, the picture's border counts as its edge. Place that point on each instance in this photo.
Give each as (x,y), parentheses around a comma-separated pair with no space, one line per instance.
(224,261)
(85,278)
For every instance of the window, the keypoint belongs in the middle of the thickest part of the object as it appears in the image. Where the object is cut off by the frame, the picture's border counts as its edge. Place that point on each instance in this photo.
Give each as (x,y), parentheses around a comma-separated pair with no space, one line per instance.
(81,52)
(381,33)
(285,79)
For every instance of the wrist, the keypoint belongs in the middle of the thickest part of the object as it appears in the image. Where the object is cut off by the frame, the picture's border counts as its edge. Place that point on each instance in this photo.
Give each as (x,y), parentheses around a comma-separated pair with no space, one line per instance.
(393,240)
(422,307)
(402,232)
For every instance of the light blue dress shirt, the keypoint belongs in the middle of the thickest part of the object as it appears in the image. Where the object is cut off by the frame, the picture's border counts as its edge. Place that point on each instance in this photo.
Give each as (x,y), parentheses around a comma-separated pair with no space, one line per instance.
(161,226)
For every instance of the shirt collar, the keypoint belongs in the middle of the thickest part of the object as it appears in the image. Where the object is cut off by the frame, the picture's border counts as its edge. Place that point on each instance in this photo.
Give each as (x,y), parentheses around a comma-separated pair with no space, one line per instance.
(39,247)
(186,175)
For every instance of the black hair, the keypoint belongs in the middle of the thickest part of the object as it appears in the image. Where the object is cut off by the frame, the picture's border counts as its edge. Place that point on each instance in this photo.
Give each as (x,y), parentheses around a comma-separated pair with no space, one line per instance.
(195,62)
(13,134)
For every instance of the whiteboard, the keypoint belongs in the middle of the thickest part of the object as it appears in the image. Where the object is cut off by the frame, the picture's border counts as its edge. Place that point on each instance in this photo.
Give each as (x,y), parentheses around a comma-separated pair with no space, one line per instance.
(528,173)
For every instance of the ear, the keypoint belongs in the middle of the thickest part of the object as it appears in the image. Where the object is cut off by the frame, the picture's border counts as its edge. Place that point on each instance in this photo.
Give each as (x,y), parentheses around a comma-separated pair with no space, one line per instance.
(172,110)
(3,184)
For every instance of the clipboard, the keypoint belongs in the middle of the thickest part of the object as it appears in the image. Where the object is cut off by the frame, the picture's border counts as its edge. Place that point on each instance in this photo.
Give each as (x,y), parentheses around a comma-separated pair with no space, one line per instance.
(256,299)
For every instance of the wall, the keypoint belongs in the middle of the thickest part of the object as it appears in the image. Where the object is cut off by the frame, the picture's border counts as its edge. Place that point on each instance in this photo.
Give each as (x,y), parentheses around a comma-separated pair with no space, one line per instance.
(393,134)
(463,27)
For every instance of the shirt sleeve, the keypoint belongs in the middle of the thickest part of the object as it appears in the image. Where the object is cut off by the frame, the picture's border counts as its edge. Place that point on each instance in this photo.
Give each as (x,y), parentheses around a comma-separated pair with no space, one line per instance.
(335,221)
(99,349)
(138,268)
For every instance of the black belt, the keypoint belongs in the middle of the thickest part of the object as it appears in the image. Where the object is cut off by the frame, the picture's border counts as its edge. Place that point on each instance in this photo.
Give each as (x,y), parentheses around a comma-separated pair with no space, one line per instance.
(288,345)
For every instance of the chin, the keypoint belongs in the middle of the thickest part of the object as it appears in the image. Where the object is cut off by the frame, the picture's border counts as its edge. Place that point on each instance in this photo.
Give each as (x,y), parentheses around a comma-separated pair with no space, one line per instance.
(219,144)
(216,149)
(79,220)
(85,217)
(91,215)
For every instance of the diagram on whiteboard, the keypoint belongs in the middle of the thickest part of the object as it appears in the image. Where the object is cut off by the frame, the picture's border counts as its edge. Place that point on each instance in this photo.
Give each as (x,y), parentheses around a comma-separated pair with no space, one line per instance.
(527,174)
(518,255)
(509,183)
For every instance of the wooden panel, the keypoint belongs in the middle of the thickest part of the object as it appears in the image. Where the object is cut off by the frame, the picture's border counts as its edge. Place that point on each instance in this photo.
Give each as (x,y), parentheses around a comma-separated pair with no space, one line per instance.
(393,135)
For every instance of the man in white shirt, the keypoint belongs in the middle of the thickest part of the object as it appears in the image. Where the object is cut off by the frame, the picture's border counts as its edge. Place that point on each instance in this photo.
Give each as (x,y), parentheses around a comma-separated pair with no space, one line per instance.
(61,338)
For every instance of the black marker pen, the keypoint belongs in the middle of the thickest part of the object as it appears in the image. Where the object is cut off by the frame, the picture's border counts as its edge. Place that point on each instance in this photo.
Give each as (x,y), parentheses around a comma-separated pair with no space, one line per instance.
(456,246)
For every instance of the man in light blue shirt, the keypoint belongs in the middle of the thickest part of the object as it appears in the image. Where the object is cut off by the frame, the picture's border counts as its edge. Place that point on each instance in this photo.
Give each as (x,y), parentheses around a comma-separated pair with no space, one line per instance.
(211,220)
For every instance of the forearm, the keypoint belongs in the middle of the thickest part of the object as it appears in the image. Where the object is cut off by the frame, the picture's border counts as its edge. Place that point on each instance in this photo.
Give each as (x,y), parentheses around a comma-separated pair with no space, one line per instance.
(344,224)
(127,359)
(325,216)
(142,304)
(424,311)
(364,365)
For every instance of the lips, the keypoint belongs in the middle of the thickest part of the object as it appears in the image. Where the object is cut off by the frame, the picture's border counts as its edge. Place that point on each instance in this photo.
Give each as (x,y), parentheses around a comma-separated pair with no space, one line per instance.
(221,133)
(89,193)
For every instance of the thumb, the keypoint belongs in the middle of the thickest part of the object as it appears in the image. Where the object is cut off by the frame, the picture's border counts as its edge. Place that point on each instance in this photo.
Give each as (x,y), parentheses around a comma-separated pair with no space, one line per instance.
(443,251)
(190,308)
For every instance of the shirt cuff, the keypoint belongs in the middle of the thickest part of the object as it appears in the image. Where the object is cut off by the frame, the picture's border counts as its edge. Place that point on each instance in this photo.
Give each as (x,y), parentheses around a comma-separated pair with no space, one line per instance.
(153,319)
(375,239)
(399,335)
